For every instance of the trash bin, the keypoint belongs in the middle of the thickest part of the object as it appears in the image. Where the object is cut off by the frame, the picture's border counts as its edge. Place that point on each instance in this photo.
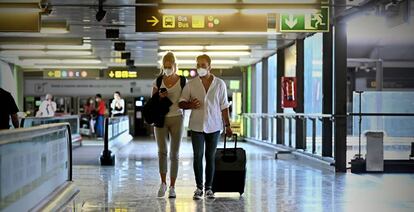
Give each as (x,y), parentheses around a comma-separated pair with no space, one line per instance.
(375,151)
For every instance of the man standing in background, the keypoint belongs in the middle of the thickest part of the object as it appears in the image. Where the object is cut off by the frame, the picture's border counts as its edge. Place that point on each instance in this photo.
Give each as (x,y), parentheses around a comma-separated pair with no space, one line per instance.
(9,110)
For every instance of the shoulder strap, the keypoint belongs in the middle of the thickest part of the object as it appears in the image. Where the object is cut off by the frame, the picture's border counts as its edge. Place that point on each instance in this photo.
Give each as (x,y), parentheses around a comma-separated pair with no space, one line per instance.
(159,81)
(182,81)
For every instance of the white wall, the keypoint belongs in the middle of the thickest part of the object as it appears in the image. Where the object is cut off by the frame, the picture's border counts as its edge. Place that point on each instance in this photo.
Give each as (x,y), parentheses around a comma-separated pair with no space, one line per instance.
(7,80)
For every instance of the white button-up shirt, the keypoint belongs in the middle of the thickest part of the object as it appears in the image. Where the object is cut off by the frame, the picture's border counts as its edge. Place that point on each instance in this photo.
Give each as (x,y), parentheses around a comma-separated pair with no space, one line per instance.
(207,118)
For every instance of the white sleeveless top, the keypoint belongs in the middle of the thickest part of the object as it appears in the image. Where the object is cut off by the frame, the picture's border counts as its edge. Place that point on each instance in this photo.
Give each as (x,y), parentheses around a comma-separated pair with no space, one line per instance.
(174,94)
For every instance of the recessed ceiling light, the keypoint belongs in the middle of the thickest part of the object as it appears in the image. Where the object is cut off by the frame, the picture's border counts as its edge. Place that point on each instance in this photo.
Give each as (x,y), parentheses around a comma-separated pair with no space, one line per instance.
(86,20)
(227,47)
(181,47)
(213,62)
(86,27)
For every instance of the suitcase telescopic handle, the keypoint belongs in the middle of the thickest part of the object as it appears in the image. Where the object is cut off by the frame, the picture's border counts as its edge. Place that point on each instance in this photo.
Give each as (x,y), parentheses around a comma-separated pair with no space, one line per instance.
(234,138)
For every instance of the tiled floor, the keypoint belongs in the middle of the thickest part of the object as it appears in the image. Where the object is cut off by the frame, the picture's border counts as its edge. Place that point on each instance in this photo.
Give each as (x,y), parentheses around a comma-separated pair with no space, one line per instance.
(271,185)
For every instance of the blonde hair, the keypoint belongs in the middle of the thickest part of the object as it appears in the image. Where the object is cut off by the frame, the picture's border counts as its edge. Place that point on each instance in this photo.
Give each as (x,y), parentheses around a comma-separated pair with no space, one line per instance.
(170,57)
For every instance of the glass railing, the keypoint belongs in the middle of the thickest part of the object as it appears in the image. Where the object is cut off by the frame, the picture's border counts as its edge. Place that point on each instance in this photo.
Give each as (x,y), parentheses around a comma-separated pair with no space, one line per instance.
(73,121)
(389,112)
(263,127)
(117,126)
(397,144)
(397,130)
(35,162)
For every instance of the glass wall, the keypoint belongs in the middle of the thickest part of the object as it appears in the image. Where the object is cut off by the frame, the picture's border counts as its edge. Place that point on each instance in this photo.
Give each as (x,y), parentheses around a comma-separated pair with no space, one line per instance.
(258,83)
(249,99)
(258,99)
(313,85)
(272,83)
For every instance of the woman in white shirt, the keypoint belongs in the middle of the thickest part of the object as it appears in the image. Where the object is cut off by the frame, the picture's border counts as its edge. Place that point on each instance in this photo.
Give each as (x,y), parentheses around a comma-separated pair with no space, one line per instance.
(171,88)
(117,105)
(47,108)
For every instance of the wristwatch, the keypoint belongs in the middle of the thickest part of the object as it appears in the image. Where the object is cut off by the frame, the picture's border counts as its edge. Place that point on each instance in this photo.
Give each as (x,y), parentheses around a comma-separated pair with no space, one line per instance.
(227,125)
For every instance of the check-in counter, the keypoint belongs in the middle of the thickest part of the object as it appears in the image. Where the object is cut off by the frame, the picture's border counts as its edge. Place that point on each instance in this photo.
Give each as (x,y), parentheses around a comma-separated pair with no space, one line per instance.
(73,121)
(36,168)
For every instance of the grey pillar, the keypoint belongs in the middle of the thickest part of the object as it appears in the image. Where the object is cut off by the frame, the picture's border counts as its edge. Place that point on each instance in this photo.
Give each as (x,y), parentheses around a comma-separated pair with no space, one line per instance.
(300,77)
(327,72)
(280,132)
(340,80)
(265,90)
(379,76)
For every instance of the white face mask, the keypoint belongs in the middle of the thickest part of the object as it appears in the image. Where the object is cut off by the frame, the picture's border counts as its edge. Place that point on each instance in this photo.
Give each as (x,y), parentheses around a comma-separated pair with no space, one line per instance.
(202,72)
(168,71)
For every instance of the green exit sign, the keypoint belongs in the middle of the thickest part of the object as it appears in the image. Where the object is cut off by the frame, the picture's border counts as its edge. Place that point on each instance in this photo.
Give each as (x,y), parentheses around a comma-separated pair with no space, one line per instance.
(306,22)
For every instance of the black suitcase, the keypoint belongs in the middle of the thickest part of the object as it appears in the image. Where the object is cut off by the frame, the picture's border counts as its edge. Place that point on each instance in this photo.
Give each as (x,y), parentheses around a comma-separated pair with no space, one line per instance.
(230,171)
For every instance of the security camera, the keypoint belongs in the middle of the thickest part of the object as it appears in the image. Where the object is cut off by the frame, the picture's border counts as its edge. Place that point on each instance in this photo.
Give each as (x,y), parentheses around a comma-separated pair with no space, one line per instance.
(101,12)
(43,4)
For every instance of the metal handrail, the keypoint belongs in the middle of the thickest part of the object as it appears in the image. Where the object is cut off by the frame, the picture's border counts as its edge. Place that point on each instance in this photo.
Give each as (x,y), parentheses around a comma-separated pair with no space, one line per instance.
(15,135)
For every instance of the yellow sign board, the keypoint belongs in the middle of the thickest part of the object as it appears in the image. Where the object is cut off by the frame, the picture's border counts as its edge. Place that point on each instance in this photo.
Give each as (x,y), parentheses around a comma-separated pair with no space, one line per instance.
(149,19)
(122,74)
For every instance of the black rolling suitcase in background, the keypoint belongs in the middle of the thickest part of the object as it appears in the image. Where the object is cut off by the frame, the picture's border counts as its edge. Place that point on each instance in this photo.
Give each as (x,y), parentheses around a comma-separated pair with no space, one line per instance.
(230,171)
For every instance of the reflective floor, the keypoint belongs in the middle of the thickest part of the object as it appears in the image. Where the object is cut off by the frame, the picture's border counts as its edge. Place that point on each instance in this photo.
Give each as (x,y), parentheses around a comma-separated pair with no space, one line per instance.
(271,185)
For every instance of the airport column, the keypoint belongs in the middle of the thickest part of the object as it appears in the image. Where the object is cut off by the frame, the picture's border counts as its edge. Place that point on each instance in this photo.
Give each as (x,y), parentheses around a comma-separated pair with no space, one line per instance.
(280,135)
(300,76)
(327,71)
(265,100)
(340,80)
(244,101)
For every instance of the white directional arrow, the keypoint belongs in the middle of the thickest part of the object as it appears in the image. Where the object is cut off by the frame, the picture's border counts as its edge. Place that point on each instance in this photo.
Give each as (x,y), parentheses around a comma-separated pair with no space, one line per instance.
(291,22)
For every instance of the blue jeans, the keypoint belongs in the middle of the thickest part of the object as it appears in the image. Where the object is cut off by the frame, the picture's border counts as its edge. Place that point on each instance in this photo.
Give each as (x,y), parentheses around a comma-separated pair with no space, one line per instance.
(210,140)
(99,126)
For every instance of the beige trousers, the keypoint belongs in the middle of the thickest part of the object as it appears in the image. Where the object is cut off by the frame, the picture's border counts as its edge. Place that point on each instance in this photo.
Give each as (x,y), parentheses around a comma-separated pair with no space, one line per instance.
(173,128)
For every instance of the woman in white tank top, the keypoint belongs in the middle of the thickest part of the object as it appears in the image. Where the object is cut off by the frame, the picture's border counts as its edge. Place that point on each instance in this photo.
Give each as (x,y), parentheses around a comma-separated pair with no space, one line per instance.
(173,124)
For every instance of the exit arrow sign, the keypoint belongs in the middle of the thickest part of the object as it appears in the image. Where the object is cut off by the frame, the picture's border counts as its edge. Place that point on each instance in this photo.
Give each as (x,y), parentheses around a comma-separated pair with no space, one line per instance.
(305,22)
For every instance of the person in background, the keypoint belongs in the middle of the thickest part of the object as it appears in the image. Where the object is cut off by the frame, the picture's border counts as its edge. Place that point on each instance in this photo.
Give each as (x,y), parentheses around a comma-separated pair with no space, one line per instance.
(47,108)
(100,109)
(90,112)
(206,96)
(117,105)
(9,110)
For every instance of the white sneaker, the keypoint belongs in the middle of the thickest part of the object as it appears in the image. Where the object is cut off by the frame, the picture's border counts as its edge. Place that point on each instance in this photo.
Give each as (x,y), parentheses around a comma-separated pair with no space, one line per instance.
(198,194)
(210,194)
(162,190)
(171,192)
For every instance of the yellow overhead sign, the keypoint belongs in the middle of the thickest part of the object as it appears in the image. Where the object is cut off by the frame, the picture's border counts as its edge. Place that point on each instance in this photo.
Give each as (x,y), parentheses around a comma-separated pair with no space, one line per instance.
(122,74)
(149,19)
